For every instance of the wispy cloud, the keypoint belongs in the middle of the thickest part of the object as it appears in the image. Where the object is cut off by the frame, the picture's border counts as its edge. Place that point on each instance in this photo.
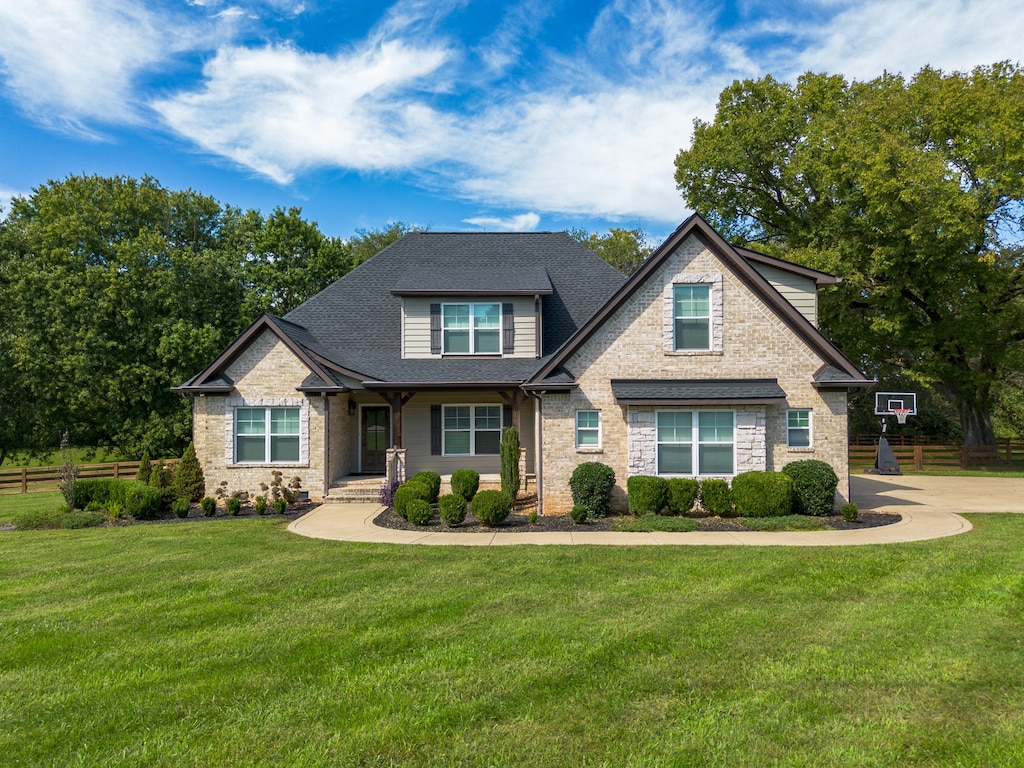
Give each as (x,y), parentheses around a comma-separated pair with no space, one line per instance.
(524,222)
(279,110)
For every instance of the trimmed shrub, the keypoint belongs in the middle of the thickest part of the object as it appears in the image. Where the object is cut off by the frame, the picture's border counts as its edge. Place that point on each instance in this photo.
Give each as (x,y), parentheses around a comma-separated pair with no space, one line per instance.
(578,514)
(430,479)
(180,507)
(762,494)
(162,478)
(465,482)
(40,520)
(452,507)
(189,482)
(814,486)
(715,496)
(140,500)
(233,505)
(280,505)
(209,506)
(849,512)
(591,485)
(508,449)
(419,512)
(682,495)
(145,468)
(647,494)
(94,490)
(492,507)
(260,505)
(407,491)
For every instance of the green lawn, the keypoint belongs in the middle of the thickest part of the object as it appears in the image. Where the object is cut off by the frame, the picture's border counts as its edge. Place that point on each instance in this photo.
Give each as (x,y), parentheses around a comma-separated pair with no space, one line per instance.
(13,504)
(233,642)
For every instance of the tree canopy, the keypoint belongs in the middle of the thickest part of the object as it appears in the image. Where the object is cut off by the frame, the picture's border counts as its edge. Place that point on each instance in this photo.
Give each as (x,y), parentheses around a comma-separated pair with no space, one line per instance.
(115,290)
(912,191)
(624,249)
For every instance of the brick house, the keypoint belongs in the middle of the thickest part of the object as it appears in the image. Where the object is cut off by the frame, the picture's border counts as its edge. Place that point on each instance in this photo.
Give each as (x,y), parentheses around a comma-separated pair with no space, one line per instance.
(706,362)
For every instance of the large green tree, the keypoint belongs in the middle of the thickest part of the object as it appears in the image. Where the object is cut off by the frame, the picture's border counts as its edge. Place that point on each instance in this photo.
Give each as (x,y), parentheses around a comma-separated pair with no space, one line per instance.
(911,190)
(115,291)
(624,249)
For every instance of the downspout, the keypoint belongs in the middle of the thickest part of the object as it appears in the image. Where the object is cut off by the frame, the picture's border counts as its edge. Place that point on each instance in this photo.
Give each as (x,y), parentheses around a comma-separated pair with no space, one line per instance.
(538,452)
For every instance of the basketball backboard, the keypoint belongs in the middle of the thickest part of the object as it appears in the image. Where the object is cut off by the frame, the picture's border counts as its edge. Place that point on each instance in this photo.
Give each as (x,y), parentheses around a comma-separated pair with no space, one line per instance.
(887,403)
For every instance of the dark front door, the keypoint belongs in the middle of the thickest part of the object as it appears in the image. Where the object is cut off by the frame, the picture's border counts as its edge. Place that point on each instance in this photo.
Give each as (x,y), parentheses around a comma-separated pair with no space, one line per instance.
(374,438)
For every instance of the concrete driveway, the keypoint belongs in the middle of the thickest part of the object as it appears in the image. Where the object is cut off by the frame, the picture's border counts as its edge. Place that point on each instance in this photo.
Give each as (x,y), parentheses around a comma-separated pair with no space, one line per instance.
(905,493)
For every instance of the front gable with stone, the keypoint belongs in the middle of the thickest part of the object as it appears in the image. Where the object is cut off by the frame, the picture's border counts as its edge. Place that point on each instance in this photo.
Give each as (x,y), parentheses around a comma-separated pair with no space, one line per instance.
(662,383)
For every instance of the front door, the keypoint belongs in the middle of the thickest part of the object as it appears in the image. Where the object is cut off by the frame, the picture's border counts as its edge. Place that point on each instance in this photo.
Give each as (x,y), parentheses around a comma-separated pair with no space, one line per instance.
(374,438)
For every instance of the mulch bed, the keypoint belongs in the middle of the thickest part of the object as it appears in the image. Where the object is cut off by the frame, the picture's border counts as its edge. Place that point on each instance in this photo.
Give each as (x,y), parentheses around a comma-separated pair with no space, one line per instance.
(519,522)
(195,514)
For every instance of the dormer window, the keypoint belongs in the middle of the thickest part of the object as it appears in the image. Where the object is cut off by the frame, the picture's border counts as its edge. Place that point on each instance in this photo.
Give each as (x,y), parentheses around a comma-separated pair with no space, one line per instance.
(471,328)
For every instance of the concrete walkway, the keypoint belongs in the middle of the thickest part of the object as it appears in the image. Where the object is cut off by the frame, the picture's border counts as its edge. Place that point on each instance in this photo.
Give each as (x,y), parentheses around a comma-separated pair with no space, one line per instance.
(929,506)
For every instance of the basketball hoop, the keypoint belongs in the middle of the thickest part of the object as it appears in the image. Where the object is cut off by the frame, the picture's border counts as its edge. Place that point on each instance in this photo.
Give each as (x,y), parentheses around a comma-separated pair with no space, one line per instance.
(901,414)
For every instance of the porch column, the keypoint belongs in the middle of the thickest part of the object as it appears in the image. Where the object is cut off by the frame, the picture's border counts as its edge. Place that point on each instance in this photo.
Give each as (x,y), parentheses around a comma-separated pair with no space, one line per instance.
(514,399)
(396,400)
(394,466)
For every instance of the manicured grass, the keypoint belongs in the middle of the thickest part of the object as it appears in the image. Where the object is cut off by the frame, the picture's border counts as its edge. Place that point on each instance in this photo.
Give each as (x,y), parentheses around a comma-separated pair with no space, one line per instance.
(784,523)
(13,504)
(656,523)
(233,642)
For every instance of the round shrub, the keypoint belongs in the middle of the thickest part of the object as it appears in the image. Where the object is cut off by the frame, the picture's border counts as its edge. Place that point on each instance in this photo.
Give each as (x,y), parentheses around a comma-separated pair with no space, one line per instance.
(209,506)
(280,505)
(849,512)
(141,501)
(814,486)
(762,494)
(260,505)
(578,514)
(408,491)
(180,507)
(93,490)
(647,494)
(591,485)
(682,495)
(430,479)
(492,507)
(452,507)
(715,496)
(233,505)
(465,482)
(419,512)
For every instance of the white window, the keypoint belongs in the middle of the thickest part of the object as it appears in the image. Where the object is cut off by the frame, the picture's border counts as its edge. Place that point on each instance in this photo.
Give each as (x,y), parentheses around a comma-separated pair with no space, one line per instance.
(588,429)
(695,442)
(266,435)
(798,428)
(472,430)
(471,329)
(691,313)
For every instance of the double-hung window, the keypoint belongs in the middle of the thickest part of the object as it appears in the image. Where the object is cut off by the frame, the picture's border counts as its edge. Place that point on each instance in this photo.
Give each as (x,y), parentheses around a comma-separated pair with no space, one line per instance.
(472,430)
(588,429)
(798,428)
(695,442)
(471,329)
(691,313)
(266,435)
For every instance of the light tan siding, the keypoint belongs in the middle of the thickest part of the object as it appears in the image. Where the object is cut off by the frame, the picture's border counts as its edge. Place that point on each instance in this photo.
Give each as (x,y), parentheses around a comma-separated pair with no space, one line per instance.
(801,292)
(416,325)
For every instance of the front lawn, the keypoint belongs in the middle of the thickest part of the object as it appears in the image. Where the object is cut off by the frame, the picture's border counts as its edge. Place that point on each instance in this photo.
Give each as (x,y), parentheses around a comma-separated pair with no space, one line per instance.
(237,643)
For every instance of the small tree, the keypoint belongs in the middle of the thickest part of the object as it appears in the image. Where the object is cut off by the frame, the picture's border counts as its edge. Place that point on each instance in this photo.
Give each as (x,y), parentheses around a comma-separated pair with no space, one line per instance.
(509,450)
(189,482)
(68,471)
(145,468)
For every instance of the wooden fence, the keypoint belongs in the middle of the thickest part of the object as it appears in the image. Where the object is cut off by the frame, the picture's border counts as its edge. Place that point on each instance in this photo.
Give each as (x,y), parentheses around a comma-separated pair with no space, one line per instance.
(1005,455)
(27,479)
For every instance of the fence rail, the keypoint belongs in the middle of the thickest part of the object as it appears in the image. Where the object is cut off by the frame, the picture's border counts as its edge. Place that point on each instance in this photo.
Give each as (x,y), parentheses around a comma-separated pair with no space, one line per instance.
(1005,455)
(26,479)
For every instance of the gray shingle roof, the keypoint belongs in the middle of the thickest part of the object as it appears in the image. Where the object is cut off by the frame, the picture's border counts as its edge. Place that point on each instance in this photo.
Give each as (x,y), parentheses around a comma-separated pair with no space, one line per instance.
(696,391)
(356,322)
(499,279)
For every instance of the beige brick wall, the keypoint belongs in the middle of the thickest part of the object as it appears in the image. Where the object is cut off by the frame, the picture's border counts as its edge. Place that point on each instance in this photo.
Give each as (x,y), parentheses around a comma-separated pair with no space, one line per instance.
(755,344)
(265,373)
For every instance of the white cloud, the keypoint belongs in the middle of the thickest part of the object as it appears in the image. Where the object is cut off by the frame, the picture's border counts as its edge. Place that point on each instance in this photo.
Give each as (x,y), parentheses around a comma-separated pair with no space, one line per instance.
(278,110)
(71,61)
(524,222)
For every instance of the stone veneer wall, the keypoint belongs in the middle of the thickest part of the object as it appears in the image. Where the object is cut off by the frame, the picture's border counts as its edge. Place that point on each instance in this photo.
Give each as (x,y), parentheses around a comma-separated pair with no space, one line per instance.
(755,343)
(265,373)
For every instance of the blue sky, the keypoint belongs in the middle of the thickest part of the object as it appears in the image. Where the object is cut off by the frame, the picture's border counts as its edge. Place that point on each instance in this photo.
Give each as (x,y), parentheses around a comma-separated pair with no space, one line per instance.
(451,114)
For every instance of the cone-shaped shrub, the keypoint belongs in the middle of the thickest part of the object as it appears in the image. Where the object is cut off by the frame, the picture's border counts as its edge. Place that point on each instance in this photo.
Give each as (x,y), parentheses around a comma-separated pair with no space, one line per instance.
(189,482)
